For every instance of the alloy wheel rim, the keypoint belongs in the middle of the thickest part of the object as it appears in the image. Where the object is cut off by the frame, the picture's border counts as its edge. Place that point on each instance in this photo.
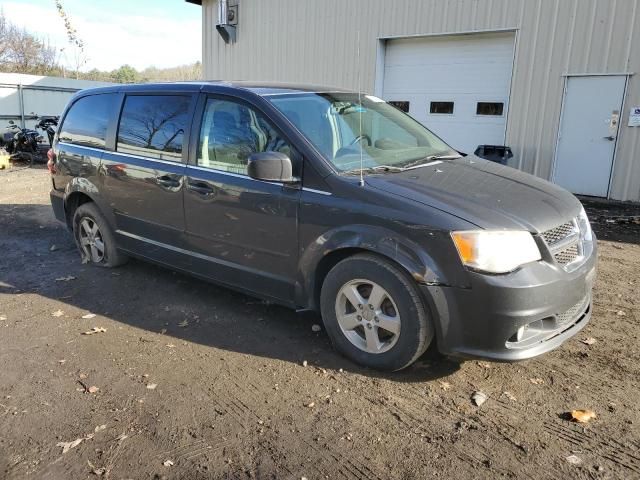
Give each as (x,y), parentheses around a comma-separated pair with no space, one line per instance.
(368,316)
(91,240)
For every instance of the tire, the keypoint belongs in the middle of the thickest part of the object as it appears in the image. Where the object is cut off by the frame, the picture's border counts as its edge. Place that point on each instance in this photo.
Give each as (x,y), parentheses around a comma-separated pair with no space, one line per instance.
(367,341)
(85,219)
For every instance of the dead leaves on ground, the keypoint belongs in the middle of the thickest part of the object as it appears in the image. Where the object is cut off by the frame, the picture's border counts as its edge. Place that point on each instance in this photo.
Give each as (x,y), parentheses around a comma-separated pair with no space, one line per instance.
(509,395)
(87,389)
(66,446)
(95,330)
(582,416)
(445,386)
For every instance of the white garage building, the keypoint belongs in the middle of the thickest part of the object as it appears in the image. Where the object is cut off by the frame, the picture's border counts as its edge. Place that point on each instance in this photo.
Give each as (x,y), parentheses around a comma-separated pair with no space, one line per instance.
(23,98)
(556,80)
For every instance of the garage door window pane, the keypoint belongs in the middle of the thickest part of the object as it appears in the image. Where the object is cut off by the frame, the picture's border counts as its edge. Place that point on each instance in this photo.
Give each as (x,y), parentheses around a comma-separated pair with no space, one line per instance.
(87,121)
(400,105)
(153,126)
(442,108)
(494,109)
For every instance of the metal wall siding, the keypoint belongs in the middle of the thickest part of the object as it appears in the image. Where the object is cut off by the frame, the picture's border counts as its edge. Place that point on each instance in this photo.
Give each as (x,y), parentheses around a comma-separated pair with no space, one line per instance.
(314,41)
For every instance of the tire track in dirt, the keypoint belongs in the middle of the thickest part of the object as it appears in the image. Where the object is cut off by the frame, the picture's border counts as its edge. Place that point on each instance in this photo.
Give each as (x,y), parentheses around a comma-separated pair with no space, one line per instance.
(325,462)
(420,415)
(348,468)
(416,403)
(586,440)
(617,452)
(584,377)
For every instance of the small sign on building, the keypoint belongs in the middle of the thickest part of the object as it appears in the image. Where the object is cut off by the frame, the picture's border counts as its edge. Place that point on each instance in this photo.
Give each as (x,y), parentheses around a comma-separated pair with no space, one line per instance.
(634,117)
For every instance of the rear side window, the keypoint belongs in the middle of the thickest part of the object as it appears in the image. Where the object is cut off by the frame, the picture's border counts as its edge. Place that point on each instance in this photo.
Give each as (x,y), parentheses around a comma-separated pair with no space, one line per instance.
(153,126)
(87,120)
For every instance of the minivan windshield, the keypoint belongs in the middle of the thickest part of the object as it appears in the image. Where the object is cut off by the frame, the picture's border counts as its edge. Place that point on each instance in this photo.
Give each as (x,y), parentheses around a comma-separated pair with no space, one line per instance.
(341,126)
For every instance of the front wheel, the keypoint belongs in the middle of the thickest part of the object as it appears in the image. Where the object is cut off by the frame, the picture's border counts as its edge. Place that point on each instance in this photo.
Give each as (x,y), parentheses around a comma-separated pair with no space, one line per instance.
(374,314)
(94,237)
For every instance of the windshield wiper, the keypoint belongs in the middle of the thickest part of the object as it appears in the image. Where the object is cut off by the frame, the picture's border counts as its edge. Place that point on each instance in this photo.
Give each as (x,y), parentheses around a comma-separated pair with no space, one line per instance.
(423,162)
(378,168)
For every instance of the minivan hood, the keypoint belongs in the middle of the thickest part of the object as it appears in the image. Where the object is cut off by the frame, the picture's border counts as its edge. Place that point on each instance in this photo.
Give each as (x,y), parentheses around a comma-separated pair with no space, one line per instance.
(487,194)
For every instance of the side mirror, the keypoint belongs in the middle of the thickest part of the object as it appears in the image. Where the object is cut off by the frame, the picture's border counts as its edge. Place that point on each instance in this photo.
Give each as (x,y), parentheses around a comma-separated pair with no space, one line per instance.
(11,122)
(270,167)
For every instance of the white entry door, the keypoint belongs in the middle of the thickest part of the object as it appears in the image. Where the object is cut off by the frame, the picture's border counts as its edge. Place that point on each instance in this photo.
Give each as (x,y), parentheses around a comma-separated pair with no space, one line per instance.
(588,133)
(458,86)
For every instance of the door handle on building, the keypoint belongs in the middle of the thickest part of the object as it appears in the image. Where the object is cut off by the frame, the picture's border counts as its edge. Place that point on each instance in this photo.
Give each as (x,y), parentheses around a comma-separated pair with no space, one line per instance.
(611,138)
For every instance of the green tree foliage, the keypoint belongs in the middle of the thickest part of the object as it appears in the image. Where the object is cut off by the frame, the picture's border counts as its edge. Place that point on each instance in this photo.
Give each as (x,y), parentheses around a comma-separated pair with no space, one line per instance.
(125,74)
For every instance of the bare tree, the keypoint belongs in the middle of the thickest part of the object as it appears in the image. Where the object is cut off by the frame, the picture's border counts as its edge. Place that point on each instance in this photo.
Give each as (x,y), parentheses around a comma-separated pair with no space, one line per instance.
(23,52)
(79,57)
(5,34)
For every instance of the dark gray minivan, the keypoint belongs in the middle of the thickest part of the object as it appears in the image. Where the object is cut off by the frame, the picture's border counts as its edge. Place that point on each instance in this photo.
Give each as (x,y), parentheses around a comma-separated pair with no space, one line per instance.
(328,200)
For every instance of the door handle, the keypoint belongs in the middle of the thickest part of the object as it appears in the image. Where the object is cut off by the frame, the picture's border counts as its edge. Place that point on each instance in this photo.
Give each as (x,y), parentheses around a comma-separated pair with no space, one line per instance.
(201,188)
(611,138)
(168,181)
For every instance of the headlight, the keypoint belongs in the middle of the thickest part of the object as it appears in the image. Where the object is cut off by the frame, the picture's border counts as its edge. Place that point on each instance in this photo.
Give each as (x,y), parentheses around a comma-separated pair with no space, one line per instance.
(495,251)
(585,226)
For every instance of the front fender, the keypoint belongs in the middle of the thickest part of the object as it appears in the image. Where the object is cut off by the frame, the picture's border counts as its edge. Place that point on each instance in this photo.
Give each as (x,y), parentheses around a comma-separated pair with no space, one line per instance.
(413,258)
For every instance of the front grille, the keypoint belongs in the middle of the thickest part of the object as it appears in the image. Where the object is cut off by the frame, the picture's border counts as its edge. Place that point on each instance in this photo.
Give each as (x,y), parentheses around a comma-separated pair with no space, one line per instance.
(558,234)
(564,243)
(568,255)
(571,314)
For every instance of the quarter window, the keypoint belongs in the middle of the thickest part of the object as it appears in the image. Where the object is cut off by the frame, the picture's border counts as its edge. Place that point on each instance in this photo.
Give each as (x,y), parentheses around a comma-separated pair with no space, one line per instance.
(494,109)
(231,132)
(153,126)
(441,108)
(87,121)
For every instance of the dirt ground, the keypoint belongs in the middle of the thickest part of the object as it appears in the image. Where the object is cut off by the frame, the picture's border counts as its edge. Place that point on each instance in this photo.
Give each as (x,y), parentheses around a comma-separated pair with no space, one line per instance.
(195,381)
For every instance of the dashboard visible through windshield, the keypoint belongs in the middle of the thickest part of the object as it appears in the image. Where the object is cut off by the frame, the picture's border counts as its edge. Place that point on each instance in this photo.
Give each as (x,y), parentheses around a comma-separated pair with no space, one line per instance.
(350,130)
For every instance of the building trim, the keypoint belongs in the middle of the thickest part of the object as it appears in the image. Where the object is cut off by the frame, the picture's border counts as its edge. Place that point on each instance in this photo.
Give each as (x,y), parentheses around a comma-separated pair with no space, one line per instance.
(617,146)
(450,34)
(607,74)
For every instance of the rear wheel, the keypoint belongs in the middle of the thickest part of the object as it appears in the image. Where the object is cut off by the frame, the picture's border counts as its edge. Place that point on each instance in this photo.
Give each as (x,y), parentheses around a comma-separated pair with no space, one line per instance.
(94,237)
(374,314)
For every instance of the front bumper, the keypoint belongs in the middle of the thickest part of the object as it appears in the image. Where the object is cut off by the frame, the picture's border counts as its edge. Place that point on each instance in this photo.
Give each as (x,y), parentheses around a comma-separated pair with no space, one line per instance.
(482,321)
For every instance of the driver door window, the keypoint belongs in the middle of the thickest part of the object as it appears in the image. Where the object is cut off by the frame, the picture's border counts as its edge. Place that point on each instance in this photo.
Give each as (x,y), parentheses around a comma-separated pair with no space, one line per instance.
(231,132)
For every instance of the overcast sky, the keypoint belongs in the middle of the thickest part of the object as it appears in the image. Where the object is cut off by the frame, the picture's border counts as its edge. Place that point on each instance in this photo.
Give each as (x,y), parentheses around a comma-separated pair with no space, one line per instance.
(140,33)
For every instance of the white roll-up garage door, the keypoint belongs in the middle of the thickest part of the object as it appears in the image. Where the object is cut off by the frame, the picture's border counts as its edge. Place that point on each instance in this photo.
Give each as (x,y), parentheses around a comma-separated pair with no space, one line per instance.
(458,86)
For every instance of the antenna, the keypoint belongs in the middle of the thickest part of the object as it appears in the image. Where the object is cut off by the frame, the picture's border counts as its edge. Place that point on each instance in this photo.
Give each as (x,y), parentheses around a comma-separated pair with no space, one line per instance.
(360,113)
